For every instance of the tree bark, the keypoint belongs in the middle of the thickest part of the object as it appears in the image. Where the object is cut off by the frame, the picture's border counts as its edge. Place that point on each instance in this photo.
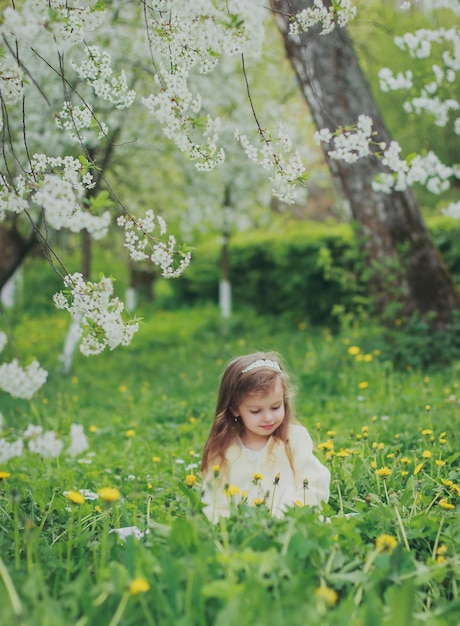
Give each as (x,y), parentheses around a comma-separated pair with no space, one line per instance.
(13,250)
(406,268)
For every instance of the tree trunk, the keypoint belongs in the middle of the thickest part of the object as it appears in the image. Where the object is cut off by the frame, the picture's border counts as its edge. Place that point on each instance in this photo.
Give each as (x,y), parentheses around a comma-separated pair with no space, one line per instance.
(225,285)
(405,266)
(13,250)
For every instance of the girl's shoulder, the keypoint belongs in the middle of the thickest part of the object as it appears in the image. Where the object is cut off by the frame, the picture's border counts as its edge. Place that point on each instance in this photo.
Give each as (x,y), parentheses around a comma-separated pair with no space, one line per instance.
(297,430)
(298,435)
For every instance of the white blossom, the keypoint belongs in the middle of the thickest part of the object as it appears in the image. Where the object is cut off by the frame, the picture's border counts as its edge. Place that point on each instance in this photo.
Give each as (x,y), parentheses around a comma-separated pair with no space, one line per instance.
(143,244)
(22,382)
(10,449)
(100,315)
(32,430)
(78,440)
(46,445)
(88,494)
(327,17)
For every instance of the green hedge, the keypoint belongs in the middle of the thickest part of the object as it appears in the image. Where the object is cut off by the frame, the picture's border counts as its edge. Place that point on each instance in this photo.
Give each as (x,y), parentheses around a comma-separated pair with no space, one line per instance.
(301,271)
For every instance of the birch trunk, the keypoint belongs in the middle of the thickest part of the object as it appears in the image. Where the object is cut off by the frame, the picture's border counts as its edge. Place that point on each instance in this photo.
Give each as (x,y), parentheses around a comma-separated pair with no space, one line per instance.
(405,267)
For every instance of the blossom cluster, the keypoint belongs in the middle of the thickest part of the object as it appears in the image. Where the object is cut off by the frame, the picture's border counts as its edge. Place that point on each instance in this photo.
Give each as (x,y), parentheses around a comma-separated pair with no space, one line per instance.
(419,45)
(44,443)
(327,17)
(142,245)
(22,382)
(67,24)
(274,155)
(57,185)
(355,142)
(191,38)
(97,70)
(100,316)
(350,143)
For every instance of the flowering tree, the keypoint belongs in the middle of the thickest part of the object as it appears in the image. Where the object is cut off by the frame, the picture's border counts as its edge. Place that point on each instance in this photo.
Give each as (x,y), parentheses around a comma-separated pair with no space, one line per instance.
(68,77)
(405,267)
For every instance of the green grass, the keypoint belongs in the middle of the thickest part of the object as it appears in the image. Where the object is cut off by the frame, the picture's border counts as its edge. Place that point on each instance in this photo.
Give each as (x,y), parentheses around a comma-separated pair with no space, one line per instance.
(148,407)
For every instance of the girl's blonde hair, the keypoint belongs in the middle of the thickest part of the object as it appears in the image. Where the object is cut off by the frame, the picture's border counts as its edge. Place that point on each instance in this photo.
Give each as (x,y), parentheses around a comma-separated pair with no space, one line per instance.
(234,385)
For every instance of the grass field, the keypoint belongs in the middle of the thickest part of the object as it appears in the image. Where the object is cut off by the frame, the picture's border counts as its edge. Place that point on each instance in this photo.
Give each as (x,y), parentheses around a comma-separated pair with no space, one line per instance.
(389,437)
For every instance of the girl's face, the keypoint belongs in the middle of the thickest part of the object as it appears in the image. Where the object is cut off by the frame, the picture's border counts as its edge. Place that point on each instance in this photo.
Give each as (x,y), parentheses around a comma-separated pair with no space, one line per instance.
(261,414)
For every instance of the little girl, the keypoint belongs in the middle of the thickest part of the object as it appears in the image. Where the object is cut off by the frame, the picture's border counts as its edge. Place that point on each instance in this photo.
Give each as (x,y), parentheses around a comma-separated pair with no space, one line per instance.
(255,451)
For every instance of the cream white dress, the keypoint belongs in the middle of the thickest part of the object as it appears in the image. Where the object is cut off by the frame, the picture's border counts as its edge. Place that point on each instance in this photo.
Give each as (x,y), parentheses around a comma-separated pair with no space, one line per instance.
(278,485)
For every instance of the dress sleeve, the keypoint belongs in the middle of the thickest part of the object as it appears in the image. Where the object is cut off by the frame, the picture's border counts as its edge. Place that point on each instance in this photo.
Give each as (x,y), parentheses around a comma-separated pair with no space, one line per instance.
(311,476)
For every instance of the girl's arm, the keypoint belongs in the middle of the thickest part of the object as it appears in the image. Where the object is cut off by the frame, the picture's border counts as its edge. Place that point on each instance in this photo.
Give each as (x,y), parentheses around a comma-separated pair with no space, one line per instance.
(312,477)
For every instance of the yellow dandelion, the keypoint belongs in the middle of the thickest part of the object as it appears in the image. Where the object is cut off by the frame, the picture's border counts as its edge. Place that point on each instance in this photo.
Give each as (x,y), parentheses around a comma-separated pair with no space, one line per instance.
(326,445)
(418,468)
(191,452)
(299,503)
(192,419)
(131,432)
(216,470)
(190,480)
(404,472)
(440,559)
(75,497)
(368,358)
(122,388)
(137,586)
(4,475)
(232,490)
(358,436)
(109,494)
(331,433)
(442,549)
(364,429)
(354,350)
(93,429)
(427,407)
(426,454)
(258,502)
(256,477)
(363,384)
(391,455)
(373,465)
(326,595)
(343,453)
(427,431)
(156,459)
(406,460)
(302,326)
(446,505)
(383,472)
(385,543)
(440,462)
(376,352)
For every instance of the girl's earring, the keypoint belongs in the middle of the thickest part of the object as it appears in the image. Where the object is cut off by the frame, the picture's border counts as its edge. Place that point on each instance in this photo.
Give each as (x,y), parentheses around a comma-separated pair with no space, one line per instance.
(236,418)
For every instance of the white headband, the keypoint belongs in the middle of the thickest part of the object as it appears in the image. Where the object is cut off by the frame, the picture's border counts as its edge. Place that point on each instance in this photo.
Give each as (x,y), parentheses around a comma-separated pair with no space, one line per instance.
(274,365)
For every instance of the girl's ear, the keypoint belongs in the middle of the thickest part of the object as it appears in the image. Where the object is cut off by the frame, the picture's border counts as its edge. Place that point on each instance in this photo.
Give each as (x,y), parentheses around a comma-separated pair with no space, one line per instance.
(234,412)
